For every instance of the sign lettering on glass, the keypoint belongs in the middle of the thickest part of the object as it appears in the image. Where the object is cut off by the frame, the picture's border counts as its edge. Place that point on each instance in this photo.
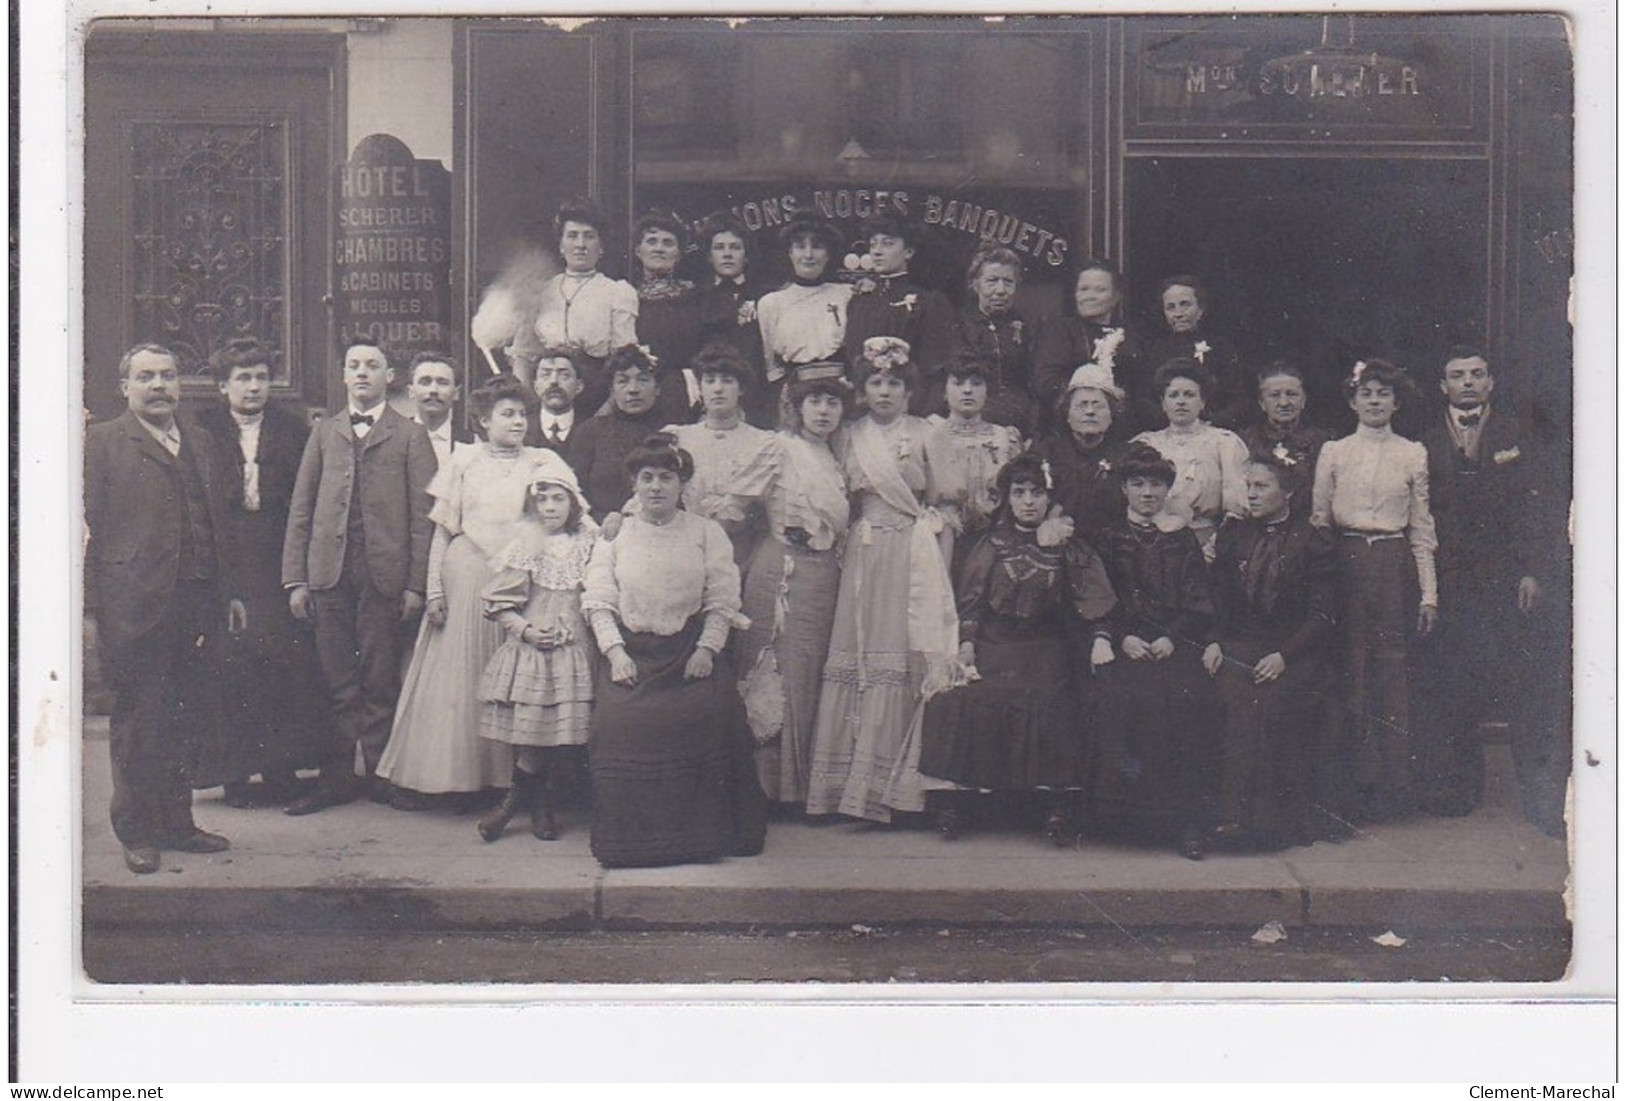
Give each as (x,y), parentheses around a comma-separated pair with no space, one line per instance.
(392,254)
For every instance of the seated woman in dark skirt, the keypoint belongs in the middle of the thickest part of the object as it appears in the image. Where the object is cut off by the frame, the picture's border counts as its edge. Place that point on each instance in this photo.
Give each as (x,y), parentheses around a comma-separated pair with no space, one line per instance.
(672,758)
(1030,595)
(1274,577)
(1153,741)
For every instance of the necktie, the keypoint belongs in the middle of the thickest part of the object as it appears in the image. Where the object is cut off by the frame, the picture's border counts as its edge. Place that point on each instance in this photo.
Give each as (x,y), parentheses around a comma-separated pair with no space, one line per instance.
(361,418)
(555,434)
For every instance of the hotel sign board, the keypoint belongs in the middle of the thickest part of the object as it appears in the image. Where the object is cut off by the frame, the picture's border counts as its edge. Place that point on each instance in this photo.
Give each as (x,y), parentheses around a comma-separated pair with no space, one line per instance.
(392,251)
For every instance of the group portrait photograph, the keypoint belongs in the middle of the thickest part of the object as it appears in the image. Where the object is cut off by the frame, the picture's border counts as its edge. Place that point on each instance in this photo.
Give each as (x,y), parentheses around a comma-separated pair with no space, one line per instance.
(1059,506)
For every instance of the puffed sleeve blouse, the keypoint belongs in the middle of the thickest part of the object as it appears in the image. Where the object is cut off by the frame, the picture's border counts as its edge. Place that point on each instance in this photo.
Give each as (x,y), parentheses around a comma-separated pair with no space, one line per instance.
(596,314)
(654,578)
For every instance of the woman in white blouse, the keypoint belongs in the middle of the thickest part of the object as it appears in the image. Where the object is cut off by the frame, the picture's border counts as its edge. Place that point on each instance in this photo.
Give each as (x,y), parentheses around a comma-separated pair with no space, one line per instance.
(1371,488)
(581,307)
(1208,461)
(805,320)
(674,779)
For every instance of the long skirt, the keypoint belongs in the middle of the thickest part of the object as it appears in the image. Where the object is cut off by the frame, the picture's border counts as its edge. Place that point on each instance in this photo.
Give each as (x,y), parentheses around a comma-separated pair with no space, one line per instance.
(870,695)
(273,716)
(1017,728)
(1267,750)
(789,596)
(1152,755)
(1380,601)
(435,744)
(673,777)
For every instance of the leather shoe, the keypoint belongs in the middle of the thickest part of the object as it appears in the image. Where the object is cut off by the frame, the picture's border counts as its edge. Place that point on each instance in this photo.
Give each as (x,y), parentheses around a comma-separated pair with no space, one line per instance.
(380,791)
(199,841)
(408,800)
(319,800)
(141,859)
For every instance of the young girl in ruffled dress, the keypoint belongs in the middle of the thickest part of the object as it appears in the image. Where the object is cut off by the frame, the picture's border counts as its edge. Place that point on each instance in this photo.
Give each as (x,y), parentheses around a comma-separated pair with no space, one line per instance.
(536,692)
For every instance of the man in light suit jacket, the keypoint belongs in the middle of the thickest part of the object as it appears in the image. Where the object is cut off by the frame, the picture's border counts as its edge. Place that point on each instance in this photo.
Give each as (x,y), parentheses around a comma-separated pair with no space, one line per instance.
(156,566)
(356,559)
(1503,652)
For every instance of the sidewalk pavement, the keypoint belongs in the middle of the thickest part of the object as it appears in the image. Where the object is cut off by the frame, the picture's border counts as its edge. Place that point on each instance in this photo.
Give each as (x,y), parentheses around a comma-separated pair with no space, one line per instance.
(365,867)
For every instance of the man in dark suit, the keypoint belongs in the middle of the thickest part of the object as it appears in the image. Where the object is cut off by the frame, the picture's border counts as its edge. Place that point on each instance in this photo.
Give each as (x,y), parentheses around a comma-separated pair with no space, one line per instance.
(356,559)
(558,385)
(434,382)
(156,565)
(1503,653)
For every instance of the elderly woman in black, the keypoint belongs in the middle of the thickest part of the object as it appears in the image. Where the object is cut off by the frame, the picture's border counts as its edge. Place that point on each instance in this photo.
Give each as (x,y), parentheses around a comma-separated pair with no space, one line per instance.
(1274,577)
(1154,739)
(1091,332)
(1083,449)
(990,328)
(1030,594)
(1282,431)
(672,758)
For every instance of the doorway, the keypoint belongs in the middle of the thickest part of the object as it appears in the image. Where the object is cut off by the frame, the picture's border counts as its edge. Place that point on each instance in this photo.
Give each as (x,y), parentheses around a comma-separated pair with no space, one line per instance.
(208,203)
(1325,261)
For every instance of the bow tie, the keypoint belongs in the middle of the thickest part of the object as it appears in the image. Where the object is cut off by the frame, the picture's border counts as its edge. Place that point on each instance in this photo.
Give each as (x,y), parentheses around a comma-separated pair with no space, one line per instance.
(735,281)
(361,418)
(1469,420)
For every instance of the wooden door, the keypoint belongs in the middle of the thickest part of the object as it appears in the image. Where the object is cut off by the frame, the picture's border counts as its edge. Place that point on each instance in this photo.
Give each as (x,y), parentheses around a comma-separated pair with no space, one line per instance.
(207,205)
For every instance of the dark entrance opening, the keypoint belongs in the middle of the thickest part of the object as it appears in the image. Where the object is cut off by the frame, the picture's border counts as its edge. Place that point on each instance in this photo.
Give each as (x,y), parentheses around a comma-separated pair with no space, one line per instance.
(1326,261)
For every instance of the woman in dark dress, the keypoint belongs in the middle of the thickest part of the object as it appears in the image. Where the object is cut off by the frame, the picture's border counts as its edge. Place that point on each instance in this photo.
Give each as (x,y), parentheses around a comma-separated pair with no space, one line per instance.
(1274,578)
(272,721)
(668,312)
(1030,595)
(1092,332)
(1082,451)
(1282,431)
(890,302)
(1188,335)
(598,449)
(672,757)
(725,307)
(1153,754)
(990,328)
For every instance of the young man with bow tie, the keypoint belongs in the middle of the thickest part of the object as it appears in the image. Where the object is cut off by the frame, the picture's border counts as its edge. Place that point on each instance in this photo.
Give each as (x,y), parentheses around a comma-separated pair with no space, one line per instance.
(355,559)
(1503,569)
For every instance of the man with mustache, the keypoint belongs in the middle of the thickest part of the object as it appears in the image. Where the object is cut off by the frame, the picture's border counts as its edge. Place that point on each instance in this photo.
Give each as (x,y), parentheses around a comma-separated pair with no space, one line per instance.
(434,383)
(156,565)
(558,384)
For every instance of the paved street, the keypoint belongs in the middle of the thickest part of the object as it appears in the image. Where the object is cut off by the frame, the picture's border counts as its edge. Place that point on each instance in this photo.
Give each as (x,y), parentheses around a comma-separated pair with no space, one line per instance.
(364,893)
(868,955)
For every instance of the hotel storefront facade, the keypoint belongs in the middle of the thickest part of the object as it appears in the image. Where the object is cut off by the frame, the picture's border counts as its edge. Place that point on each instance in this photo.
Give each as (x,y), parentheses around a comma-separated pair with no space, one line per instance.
(1347,186)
